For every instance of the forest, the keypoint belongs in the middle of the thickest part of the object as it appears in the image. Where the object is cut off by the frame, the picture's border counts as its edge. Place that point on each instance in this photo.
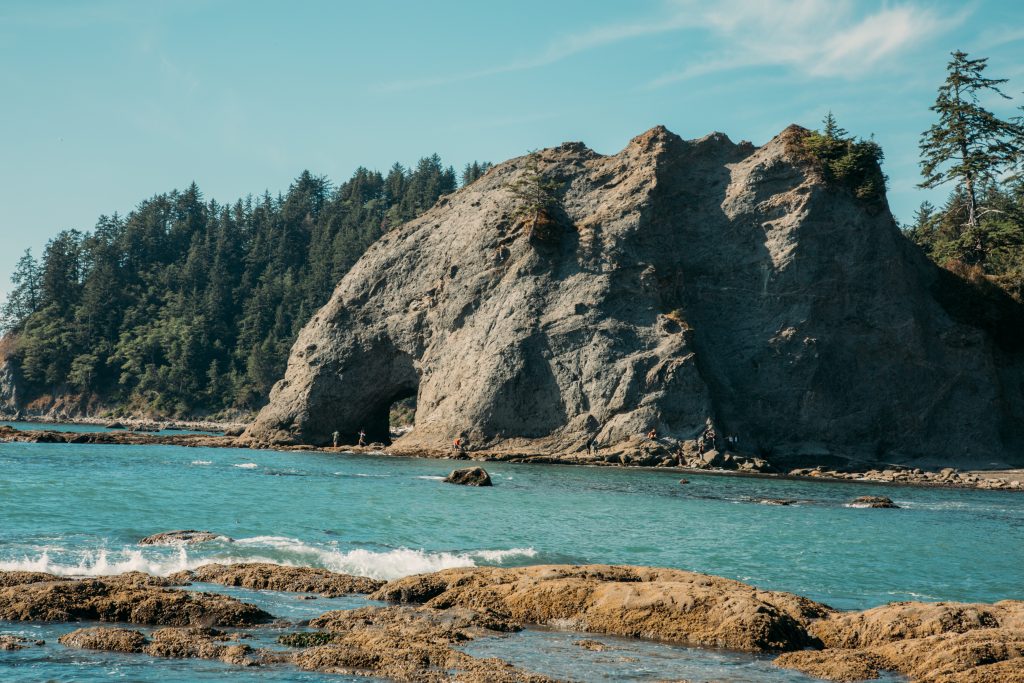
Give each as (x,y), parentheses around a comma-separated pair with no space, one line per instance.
(188,307)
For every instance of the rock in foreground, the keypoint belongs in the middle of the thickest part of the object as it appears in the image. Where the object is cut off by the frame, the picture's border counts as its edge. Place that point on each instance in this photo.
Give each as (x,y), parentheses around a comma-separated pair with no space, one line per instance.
(946,641)
(410,644)
(469,476)
(178,643)
(132,598)
(640,602)
(265,576)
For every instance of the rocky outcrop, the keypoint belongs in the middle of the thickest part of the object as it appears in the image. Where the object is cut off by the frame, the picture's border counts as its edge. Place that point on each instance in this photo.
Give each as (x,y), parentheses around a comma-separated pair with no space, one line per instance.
(639,602)
(133,598)
(178,643)
(469,476)
(275,577)
(181,537)
(681,281)
(114,438)
(410,644)
(10,387)
(927,642)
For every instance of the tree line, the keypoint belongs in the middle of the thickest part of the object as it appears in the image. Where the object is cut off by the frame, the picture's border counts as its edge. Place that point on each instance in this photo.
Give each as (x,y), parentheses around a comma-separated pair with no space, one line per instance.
(187,306)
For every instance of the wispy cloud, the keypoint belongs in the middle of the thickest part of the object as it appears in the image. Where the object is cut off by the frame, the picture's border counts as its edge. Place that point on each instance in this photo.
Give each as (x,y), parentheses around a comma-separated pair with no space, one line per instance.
(815,37)
(562,48)
(832,38)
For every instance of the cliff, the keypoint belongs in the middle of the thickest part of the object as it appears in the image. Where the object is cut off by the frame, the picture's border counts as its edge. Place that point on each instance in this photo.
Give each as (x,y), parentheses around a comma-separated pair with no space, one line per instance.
(681,282)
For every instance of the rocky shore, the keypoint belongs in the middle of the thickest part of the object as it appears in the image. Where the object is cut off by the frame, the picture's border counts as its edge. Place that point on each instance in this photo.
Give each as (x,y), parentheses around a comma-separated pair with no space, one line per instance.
(416,636)
(640,453)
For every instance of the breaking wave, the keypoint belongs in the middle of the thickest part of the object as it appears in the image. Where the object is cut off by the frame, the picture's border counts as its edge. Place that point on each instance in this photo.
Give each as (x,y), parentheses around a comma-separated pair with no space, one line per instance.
(387,564)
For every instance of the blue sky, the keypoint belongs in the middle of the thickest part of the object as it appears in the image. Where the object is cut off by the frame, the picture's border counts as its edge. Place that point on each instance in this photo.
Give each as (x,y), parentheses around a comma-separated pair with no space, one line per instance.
(108,102)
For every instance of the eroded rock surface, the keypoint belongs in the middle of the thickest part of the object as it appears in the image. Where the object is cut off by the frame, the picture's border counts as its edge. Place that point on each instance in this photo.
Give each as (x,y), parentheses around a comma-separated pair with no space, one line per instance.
(177,643)
(411,644)
(641,602)
(928,642)
(265,576)
(131,598)
(687,281)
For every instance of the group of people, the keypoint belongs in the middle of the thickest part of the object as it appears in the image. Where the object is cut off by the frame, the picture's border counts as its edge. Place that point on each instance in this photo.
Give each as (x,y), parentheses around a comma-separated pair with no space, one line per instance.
(360,442)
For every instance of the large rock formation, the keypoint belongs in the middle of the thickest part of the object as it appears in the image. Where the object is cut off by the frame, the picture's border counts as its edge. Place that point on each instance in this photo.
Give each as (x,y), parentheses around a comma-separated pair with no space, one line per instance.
(690,280)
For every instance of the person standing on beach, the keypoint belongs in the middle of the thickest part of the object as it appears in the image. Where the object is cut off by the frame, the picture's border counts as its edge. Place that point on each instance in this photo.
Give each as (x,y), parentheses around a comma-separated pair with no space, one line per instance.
(362,438)
(334,436)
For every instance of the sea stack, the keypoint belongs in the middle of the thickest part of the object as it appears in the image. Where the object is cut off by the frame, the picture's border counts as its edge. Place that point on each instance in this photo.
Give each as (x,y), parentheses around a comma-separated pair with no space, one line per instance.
(680,281)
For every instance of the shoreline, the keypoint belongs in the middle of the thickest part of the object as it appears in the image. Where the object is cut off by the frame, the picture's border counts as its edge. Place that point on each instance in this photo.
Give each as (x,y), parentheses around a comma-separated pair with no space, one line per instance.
(1011,480)
(132,423)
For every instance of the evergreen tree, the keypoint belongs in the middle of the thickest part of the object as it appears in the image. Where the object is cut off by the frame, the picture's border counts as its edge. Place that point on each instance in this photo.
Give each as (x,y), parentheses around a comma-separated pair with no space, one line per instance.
(25,295)
(969,145)
(537,197)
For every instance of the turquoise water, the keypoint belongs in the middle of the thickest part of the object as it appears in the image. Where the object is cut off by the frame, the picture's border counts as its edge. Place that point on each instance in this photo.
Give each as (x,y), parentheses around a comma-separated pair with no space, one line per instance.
(80,509)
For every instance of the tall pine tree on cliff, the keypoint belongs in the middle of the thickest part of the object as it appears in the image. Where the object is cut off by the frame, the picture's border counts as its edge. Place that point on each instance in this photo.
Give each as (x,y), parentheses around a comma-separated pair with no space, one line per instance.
(969,145)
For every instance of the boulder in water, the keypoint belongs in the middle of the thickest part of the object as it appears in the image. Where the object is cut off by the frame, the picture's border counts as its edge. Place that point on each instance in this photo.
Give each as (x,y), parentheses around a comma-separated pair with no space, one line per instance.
(469,476)
(872,502)
(181,537)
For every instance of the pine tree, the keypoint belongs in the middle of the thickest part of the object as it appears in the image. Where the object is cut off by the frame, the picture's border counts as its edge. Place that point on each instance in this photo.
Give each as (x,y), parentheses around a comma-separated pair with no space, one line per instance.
(969,145)
(24,298)
(536,195)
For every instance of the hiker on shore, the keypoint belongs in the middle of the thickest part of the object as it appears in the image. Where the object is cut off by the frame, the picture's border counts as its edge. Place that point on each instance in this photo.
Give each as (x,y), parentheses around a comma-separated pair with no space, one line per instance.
(362,438)
(334,438)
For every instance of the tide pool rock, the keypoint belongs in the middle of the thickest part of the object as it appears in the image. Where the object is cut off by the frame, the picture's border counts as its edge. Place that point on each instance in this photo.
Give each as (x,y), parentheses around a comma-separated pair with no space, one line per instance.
(266,576)
(663,604)
(469,476)
(132,598)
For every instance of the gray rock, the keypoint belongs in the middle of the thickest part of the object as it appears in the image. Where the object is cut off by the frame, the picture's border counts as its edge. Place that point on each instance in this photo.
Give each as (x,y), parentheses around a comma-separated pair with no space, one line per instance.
(872,502)
(691,280)
(470,476)
(180,537)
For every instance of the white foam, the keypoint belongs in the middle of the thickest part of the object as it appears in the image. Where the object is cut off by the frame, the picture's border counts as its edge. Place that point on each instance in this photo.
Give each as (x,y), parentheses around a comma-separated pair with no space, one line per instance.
(202,462)
(104,563)
(499,556)
(247,465)
(429,477)
(388,564)
(375,476)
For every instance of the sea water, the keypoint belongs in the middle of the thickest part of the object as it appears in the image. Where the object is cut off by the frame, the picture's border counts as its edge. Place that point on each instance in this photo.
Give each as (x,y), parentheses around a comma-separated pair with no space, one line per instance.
(79,510)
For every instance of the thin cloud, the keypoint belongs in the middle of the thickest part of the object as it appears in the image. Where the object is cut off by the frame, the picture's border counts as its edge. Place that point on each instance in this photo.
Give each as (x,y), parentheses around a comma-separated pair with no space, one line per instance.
(816,37)
(560,49)
(819,38)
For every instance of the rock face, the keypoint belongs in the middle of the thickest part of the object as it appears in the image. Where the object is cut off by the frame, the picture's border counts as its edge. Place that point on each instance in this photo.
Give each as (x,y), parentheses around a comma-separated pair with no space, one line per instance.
(10,387)
(469,476)
(687,281)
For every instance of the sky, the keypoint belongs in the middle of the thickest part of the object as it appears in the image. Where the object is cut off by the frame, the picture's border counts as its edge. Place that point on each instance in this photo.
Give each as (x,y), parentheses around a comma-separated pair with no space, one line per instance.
(106,103)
